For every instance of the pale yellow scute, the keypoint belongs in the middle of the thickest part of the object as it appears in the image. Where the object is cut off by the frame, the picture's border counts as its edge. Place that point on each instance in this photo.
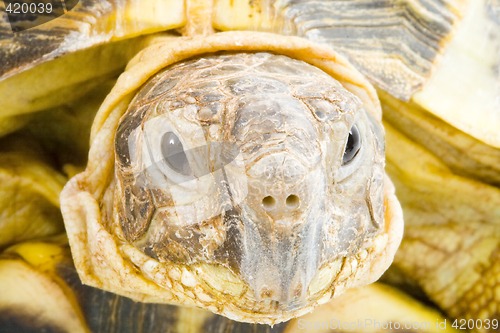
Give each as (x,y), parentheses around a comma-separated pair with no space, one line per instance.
(140,17)
(462,153)
(452,230)
(243,15)
(66,57)
(29,197)
(37,298)
(371,309)
(62,80)
(89,23)
(42,256)
(465,88)
(191,319)
(199,14)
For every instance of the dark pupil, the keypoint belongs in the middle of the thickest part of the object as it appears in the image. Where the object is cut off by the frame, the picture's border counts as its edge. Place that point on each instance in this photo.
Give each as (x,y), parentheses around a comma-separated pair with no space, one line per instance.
(173,153)
(352,146)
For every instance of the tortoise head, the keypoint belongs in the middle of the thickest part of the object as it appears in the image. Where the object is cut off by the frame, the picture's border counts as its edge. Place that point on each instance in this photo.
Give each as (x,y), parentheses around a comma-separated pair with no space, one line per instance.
(253,163)
(251,184)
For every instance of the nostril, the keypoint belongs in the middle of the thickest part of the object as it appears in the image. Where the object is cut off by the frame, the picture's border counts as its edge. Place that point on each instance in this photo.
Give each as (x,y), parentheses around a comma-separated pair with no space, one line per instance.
(292,201)
(268,203)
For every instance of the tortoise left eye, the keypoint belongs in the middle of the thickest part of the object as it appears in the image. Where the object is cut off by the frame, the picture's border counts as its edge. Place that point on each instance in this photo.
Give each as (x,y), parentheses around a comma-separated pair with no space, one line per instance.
(353,145)
(174,155)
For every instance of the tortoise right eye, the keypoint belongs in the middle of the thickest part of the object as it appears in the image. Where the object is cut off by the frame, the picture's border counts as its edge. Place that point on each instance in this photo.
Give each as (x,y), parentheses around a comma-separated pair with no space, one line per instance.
(174,155)
(353,145)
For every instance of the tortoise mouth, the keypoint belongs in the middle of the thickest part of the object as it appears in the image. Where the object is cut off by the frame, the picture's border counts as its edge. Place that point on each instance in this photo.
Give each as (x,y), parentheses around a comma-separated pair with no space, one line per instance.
(238,300)
(282,270)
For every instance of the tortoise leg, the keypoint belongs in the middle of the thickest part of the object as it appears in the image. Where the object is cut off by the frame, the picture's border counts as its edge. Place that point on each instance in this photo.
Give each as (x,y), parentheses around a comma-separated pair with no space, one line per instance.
(451,248)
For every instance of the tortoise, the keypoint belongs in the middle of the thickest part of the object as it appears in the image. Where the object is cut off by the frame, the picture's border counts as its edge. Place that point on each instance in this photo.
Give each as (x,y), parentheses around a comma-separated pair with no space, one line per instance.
(236,164)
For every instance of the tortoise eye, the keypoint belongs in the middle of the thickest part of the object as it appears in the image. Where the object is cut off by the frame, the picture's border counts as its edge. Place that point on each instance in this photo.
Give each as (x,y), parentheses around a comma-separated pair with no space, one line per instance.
(173,154)
(353,145)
